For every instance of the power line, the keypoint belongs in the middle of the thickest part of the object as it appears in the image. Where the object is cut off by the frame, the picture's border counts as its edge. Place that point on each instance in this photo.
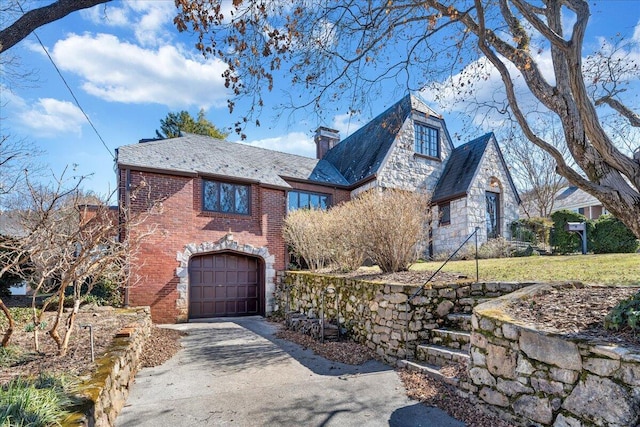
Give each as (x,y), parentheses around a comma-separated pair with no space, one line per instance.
(71,92)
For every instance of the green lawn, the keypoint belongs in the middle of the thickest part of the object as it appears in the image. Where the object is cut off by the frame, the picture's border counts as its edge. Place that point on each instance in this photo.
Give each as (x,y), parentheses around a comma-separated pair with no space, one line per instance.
(610,269)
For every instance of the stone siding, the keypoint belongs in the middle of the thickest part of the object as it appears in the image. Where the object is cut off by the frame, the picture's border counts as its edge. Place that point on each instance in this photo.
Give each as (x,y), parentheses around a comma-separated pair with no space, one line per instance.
(380,315)
(447,238)
(470,212)
(536,377)
(107,389)
(406,170)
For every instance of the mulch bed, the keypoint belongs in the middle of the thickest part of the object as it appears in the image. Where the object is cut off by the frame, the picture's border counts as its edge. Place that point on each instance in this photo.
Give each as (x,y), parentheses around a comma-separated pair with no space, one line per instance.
(577,312)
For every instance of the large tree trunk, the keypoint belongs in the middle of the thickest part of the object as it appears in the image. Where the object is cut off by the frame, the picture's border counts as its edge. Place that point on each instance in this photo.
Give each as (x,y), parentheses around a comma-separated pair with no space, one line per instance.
(9,331)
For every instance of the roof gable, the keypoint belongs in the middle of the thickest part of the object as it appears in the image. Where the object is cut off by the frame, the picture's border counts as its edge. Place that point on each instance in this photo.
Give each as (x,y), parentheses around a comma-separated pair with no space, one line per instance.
(197,154)
(461,168)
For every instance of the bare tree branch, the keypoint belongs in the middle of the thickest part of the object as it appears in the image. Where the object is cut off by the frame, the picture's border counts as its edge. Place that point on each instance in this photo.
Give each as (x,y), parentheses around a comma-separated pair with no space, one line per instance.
(35,18)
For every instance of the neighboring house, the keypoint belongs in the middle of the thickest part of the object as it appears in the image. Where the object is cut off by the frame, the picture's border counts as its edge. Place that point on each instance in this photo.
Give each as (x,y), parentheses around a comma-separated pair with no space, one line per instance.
(574,199)
(219,242)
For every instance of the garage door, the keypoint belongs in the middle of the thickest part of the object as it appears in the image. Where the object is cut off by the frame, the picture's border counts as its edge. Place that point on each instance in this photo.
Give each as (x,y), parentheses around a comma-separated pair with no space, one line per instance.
(224,285)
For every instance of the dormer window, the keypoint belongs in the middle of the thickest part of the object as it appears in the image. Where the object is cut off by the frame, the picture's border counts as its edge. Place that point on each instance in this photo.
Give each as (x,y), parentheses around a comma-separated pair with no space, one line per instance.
(427,140)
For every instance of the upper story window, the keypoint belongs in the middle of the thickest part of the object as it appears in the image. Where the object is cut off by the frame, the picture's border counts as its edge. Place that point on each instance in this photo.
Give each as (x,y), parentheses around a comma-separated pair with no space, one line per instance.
(426,139)
(225,197)
(307,200)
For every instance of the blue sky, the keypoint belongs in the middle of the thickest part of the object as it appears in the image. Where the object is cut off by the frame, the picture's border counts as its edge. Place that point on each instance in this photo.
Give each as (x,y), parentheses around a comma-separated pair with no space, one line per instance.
(128,67)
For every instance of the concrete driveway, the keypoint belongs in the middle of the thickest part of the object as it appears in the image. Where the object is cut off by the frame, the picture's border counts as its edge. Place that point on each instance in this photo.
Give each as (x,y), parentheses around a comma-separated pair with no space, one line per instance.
(236,373)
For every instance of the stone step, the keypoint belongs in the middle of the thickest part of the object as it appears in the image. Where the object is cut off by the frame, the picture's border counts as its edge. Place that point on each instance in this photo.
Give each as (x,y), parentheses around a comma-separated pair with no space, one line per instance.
(440,356)
(458,340)
(429,370)
(459,321)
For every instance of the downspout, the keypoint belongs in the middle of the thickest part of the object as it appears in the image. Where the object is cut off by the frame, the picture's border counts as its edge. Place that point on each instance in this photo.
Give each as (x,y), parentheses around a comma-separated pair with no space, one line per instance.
(127,206)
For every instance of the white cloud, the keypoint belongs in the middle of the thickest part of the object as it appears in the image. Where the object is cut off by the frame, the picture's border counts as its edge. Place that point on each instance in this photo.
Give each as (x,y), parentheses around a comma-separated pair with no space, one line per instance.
(150,20)
(49,117)
(118,71)
(293,143)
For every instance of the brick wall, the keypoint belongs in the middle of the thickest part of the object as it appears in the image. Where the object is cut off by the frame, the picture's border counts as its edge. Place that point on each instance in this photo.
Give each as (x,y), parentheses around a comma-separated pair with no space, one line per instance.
(174,207)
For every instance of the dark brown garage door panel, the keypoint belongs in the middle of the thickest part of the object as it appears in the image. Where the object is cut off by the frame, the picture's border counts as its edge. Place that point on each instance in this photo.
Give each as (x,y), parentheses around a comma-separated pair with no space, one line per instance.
(223,285)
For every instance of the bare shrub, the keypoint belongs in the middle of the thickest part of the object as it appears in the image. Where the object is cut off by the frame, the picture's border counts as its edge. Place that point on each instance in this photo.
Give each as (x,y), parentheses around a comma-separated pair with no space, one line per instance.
(391,226)
(347,253)
(306,232)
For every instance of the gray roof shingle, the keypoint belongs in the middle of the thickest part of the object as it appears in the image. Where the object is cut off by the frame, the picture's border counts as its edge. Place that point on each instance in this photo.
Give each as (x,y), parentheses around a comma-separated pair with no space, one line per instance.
(461,167)
(360,155)
(197,154)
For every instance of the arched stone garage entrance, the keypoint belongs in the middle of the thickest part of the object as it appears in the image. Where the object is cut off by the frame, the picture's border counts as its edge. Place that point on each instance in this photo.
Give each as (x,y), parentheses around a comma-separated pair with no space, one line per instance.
(227,244)
(225,284)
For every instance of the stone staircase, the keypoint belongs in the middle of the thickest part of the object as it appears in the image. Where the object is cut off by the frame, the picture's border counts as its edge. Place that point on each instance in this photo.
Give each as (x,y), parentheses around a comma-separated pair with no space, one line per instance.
(447,352)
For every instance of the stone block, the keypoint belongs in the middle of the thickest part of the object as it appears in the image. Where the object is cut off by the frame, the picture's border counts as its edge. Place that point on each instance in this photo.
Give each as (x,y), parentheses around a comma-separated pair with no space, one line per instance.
(551,350)
(563,375)
(546,386)
(481,376)
(479,358)
(447,293)
(486,324)
(501,361)
(601,367)
(630,374)
(602,402)
(513,388)
(534,408)
(478,340)
(444,308)
(493,397)
(474,322)
(510,332)
(524,366)
(566,421)
(397,298)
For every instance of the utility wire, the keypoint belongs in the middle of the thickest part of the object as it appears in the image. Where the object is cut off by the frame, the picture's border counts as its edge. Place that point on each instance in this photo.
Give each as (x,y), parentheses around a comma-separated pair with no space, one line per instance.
(71,92)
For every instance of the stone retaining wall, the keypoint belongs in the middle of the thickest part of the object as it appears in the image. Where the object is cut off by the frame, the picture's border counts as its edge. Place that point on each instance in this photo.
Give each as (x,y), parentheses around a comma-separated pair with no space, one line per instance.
(537,378)
(107,389)
(380,315)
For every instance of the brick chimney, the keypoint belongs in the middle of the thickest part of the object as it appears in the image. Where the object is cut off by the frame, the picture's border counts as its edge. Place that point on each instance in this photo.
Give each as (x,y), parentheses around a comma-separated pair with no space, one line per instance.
(325,140)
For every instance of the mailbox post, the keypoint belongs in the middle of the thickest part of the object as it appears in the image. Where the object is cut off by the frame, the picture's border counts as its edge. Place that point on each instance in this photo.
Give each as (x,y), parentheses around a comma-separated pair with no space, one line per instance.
(581,229)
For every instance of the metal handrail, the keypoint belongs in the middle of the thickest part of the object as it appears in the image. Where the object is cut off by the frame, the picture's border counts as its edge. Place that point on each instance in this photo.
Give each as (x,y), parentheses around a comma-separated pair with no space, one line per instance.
(422,287)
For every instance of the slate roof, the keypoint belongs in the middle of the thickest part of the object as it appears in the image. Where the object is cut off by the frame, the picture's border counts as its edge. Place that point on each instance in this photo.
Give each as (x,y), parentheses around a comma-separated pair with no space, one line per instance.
(197,154)
(360,155)
(572,197)
(460,169)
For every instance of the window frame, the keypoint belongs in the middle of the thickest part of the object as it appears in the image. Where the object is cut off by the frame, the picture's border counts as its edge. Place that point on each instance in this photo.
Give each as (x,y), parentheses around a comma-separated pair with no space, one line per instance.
(441,208)
(309,195)
(422,145)
(233,185)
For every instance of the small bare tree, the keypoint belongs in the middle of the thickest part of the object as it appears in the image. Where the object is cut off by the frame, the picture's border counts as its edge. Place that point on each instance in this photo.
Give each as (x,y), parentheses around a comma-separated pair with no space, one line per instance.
(70,246)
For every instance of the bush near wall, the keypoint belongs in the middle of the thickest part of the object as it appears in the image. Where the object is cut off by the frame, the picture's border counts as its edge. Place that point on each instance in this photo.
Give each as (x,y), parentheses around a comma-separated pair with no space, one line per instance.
(534,230)
(610,235)
(564,242)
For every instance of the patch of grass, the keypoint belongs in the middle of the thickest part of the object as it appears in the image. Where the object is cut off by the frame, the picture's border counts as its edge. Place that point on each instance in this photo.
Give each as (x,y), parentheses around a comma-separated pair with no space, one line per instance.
(36,403)
(9,356)
(605,269)
(21,316)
